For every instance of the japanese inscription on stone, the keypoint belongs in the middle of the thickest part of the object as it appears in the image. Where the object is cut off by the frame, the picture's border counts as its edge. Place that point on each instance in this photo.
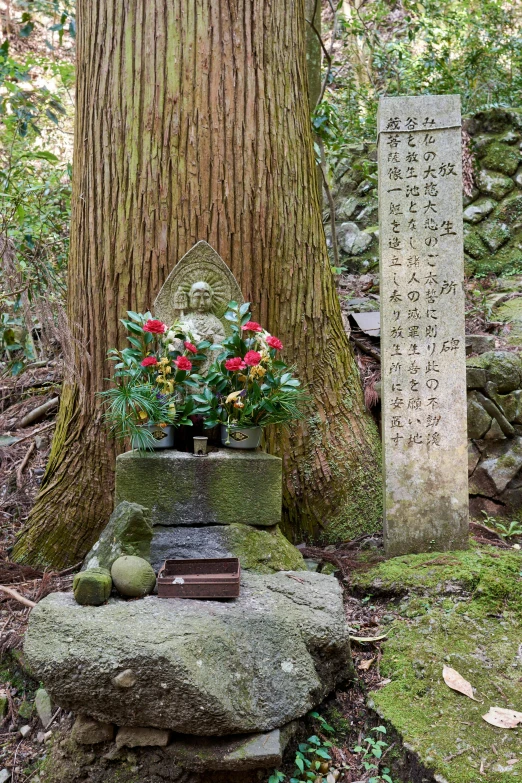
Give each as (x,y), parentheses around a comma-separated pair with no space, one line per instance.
(422,324)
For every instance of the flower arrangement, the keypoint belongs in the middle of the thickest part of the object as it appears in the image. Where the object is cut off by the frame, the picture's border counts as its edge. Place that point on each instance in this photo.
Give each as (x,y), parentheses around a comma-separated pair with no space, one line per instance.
(154,377)
(248,385)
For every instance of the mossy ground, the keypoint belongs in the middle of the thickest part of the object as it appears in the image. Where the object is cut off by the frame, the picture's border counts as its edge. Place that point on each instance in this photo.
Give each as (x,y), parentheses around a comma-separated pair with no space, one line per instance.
(463,609)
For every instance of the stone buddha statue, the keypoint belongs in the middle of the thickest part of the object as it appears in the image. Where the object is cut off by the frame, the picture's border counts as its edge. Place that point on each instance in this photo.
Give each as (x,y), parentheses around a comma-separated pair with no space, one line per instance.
(199,318)
(196,294)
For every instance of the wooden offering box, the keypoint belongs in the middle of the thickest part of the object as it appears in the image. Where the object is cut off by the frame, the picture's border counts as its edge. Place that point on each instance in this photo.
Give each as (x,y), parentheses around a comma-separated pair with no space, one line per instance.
(201,578)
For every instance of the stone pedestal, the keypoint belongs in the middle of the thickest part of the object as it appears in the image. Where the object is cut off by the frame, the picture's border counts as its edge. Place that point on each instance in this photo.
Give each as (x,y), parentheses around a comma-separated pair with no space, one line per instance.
(222,488)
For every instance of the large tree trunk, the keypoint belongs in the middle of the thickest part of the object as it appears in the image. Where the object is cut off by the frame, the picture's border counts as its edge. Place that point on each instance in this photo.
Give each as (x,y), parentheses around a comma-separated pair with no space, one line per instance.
(191,124)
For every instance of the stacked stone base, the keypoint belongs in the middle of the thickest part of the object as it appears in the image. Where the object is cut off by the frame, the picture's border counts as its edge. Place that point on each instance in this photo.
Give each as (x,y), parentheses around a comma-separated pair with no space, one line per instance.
(199,686)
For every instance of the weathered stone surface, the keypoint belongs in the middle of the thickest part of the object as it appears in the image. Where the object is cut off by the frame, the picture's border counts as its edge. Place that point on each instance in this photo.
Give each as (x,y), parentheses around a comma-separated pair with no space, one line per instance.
(43,705)
(473,245)
(203,667)
(495,185)
(92,587)
(352,240)
(511,313)
(473,458)
(263,551)
(511,405)
(475,378)
(494,432)
(133,577)
(224,487)
(500,464)
(494,234)
(346,208)
(480,209)
(480,343)
(518,177)
(503,369)
(128,532)
(501,157)
(422,324)
(141,737)
(88,731)
(251,751)
(479,421)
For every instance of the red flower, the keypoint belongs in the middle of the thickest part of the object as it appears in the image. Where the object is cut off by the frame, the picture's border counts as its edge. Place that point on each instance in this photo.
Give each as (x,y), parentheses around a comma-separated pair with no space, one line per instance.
(252,326)
(155,327)
(190,347)
(182,363)
(252,358)
(235,364)
(274,342)
(149,361)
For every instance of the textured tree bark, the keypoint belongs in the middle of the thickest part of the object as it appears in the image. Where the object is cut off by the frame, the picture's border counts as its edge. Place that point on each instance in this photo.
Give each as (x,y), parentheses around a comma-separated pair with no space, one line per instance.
(191,125)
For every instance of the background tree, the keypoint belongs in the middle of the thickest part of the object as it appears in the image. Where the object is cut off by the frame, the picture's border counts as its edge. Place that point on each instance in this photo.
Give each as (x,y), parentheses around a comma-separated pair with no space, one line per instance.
(191,124)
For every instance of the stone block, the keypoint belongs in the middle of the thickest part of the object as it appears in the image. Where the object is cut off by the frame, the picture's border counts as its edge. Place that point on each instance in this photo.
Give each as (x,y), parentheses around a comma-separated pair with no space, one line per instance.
(225,487)
(88,731)
(475,378)
(503,369)
(480,209)
(142,737)
(128,532)
(479,421)
(501,157)
(228,754)
(202,667)
(494,234)
(92,587)
(473,458)
(495,185)
(479,343)
(263,551)
(500,464)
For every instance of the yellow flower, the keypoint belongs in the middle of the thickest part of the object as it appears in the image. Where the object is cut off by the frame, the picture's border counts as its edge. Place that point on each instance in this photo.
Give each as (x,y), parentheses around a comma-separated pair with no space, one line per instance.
(164,360)
(233,396)
(142,415)
(257,372)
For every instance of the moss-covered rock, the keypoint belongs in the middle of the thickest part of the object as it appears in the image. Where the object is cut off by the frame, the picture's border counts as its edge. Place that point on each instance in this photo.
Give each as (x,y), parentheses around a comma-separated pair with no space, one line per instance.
(511,312)
(133,577)
(501,157)
(128,532)
(493,184)
(503,369)
(473,245)
(92,587)
(479,421)
(494,234)
(463,609)
(480,209)
(260,550)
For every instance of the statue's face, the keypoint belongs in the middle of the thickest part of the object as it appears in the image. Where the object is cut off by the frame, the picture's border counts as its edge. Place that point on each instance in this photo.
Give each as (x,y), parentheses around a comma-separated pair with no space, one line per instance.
(201,298)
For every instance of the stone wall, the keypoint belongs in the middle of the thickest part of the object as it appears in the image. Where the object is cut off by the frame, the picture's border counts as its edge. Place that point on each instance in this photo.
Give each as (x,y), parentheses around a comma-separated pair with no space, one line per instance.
(492,214)
(494,381)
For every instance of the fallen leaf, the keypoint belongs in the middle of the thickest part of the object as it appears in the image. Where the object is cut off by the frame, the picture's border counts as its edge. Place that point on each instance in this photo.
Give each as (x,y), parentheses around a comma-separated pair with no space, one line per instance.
(365,665)
(481,770)
(456,682)
(504,719)
(369,638)
(512,761)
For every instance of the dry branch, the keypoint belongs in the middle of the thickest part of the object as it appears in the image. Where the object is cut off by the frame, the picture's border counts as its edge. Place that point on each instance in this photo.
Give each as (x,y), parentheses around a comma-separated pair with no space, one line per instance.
(38,413)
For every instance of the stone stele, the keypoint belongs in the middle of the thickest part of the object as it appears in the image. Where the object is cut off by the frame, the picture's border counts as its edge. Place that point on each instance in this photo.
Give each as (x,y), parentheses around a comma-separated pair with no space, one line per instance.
(200,667)
(197,292)
(225,487)
(422,324)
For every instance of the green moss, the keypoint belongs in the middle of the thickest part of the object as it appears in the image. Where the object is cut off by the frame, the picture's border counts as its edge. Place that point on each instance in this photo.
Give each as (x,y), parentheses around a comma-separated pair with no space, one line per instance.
(473,245)
(501,157)
(463,609)
(263,550)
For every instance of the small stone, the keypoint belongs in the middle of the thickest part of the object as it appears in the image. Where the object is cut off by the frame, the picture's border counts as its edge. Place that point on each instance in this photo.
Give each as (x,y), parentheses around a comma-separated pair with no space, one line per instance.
(518,177)
(5,775)
(125,679)
(44,707)
(25,731)
(92,587)
(40,737)
(88,731)
(493,184)
(25,710)
(138,737)
(133,577)
(346,208)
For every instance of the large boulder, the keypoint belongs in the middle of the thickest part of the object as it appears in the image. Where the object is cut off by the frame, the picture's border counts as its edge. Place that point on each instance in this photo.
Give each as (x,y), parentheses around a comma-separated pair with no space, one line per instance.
(201,667)
(261,550)
(128,532)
